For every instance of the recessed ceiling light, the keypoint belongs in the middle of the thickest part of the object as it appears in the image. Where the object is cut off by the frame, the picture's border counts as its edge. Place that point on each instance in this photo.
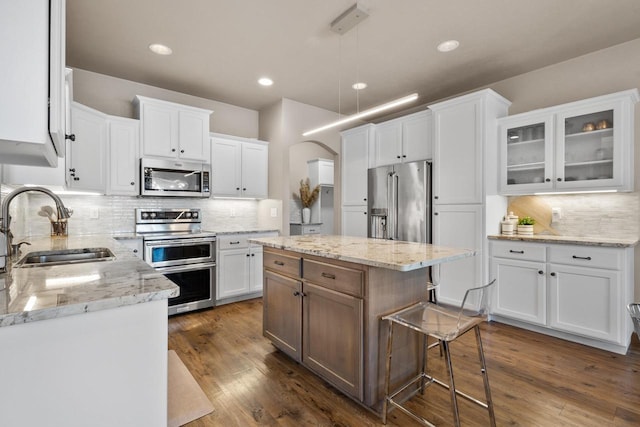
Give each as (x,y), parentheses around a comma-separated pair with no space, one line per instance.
(265,81)
(448,46)
(160,49)
(359,86)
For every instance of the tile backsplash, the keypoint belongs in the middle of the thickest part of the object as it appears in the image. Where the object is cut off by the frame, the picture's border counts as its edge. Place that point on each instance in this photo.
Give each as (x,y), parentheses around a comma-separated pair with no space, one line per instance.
(115,214)
(613,215)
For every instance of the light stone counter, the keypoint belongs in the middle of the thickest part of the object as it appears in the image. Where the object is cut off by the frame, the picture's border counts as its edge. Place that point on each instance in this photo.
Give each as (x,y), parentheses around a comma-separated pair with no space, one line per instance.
(391,254)
(63,290)
(571,240)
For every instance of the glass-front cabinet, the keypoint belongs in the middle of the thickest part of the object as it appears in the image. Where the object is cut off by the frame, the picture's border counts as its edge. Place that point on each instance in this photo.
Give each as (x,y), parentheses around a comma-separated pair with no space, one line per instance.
(581,146)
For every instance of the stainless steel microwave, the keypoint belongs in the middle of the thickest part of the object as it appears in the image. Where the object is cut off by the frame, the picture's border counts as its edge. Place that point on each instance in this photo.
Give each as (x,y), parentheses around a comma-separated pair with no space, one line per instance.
(174,178)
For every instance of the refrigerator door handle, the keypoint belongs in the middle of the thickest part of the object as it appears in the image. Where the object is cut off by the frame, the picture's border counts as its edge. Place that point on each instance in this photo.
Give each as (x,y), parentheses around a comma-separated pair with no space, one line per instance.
(390,212)
(395,206)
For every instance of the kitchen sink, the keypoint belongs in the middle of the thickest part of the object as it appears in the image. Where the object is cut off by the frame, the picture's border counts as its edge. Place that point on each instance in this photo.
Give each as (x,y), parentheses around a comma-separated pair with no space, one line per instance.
(65,256)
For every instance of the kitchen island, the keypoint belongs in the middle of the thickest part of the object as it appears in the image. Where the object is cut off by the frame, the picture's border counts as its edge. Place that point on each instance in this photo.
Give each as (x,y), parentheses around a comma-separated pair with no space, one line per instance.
(324,297)
(84,343)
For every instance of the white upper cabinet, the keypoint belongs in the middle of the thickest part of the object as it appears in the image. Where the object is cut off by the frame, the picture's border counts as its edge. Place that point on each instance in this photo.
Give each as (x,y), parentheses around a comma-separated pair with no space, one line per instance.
(32,46)
(355,164)
(87,155)
(461,127)
(239,167)
(171,130)
(404,139)
(585,145)
(124,166)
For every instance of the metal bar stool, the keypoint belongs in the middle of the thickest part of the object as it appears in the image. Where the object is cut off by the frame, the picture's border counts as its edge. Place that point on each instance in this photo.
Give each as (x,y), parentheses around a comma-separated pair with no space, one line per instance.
(634,311)
(445,325)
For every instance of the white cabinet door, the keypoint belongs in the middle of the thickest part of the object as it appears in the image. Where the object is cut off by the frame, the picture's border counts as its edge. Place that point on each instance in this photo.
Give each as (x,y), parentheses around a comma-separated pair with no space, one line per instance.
(124,167)
(520,291)
(458,226)
(355,164)
(354,221)
(388,143)
(193,135)
(256,275)
(417,140)
(586,301)
(87,157)
(255,159)
(159,130)
(234,266)
(29,72)
(226,161)
(457,154)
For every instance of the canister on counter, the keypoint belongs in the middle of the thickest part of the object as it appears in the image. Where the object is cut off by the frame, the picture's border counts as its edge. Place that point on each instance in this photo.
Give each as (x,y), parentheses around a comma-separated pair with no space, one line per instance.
(507,227)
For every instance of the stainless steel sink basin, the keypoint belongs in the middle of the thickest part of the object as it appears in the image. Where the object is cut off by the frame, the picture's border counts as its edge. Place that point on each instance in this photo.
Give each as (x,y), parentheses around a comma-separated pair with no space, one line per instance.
(65,256)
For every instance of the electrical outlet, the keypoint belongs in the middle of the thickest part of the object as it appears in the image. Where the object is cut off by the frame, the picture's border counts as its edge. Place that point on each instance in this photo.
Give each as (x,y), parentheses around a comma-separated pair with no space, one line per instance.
(94,213)
(274,212)
(556,214)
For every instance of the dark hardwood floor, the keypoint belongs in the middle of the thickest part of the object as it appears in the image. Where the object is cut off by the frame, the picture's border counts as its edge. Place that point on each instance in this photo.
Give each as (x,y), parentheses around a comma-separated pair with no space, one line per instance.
(535,380)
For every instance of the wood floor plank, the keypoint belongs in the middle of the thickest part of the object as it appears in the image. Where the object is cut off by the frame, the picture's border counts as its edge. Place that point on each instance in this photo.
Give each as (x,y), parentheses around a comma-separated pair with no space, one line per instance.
(536,380)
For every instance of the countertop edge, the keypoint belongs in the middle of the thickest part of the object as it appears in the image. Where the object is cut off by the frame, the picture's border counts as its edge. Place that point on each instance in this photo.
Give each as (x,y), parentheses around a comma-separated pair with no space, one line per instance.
(569,240)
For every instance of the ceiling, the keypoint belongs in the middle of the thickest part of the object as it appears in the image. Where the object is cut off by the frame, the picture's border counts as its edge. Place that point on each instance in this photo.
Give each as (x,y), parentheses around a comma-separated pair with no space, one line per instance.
(221,47)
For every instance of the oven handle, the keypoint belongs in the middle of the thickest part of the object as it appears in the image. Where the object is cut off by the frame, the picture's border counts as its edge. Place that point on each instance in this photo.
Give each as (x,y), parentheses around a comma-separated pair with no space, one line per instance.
(177,242)
(186,267)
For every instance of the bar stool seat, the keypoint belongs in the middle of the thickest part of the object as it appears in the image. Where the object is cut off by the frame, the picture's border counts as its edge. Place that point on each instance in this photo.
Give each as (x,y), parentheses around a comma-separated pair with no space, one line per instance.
(445,325)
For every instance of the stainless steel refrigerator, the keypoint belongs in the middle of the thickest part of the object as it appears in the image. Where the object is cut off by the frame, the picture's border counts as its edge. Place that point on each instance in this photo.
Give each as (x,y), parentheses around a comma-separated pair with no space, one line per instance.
(399,199)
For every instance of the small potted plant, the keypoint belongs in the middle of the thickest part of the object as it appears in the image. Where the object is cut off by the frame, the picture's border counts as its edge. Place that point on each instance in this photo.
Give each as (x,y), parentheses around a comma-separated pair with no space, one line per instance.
(525,226)
(307,198)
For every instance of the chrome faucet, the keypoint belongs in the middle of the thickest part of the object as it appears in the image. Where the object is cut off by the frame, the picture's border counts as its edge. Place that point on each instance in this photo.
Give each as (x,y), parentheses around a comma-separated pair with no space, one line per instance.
(5,220)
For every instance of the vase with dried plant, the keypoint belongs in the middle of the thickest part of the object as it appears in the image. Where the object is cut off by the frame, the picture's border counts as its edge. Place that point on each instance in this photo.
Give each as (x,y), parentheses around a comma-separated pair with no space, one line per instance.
(307,198)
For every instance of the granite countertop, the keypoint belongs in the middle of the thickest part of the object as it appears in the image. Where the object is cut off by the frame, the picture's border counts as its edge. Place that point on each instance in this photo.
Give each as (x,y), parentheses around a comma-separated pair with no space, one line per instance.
(69,289)
(391,254)
(571,240)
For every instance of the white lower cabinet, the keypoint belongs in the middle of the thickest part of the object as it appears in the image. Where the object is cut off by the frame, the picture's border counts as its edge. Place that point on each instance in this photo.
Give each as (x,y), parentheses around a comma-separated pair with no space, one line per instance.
(239,266)
(579,293)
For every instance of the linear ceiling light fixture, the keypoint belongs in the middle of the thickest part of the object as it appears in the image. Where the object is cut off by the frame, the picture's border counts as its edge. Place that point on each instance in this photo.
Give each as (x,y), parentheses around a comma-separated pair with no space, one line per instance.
(349,19)
(365,113)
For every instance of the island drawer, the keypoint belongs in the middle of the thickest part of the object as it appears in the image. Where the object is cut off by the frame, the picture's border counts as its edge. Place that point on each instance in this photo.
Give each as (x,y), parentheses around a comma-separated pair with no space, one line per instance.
(281,263)
(233,241)
(337,278)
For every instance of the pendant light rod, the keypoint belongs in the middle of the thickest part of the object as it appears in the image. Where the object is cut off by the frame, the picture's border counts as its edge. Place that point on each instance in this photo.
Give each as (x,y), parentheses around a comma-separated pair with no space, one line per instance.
(365,113)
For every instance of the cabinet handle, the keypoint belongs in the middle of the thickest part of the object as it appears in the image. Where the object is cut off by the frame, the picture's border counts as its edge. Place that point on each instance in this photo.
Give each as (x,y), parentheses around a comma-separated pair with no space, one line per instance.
(516,252)
(296,294)
(547,179)
(540,272)
(329,276)
(71,137)
(553,274)
(75,178)
(234,243)
(586,258)
(280,263)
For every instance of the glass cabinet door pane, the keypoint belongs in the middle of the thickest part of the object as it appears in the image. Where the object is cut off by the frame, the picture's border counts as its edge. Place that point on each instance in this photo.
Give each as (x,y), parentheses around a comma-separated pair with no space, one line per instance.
(588,146)
(526,154)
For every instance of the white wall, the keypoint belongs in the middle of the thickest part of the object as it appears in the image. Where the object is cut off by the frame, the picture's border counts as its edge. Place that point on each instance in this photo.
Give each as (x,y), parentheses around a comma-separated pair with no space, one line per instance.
(113,96)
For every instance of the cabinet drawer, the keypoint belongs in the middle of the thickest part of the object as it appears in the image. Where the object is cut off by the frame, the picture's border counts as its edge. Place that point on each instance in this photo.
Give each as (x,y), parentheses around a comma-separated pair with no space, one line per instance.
(586,256)
(233,241)
(284,264)
(516,250)
(341,279)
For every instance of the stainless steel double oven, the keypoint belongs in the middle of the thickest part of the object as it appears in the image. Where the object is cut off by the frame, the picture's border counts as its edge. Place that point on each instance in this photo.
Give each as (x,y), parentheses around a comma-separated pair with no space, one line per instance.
(175,245)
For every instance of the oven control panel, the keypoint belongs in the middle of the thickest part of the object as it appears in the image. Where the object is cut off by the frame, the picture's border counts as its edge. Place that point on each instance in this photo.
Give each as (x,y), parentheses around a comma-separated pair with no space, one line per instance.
(146,216)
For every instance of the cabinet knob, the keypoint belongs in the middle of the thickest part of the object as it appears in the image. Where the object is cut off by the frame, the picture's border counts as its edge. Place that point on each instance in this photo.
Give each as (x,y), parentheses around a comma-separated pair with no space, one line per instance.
(364,213)
(253,254)
(435,197)
(75,178)
(398,157)
(237,188)
(247,255)
(559,179)
(547,179)
(553,274)
(365,199)
(135,251)
(435,213)
(244,189)
(540,272)
(182,151)
(133,183)
(72,170)
(296,294)
(71,137)
(173,150)
(404,156)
